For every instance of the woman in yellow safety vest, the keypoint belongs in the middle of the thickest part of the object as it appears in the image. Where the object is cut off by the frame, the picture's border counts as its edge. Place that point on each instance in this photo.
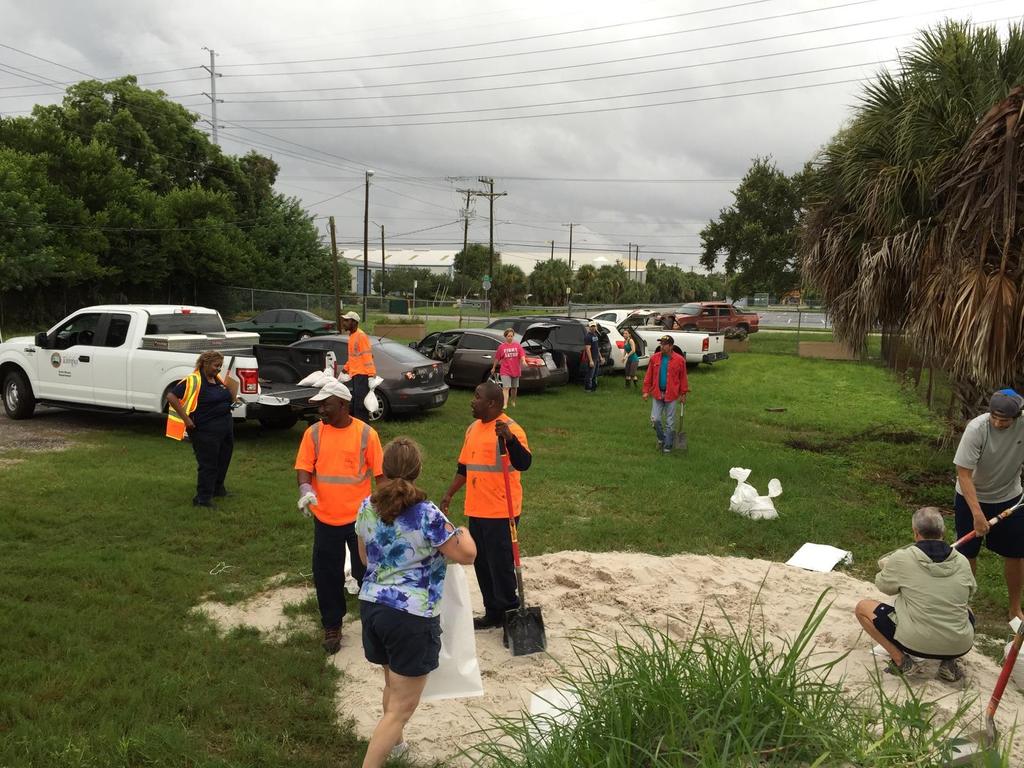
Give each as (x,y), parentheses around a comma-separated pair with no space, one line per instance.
(201,407)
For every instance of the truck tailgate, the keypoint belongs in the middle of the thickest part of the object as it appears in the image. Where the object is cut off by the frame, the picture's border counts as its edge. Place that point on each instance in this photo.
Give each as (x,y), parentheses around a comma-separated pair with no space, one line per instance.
(273,393)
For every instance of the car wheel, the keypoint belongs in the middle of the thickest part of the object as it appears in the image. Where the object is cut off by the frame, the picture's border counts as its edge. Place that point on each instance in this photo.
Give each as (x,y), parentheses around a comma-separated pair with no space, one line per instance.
(19,402)
(383,409)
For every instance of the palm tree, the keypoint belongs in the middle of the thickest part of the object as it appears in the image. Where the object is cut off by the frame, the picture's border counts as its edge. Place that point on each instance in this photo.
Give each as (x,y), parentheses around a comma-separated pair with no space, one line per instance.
(915,215)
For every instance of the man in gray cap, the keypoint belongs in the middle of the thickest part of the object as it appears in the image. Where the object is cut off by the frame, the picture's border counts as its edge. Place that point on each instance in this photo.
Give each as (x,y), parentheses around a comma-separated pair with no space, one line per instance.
(988,463)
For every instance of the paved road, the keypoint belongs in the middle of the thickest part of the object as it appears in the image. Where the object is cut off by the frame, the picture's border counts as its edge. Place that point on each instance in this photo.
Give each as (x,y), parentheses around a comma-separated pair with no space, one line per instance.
(813,321)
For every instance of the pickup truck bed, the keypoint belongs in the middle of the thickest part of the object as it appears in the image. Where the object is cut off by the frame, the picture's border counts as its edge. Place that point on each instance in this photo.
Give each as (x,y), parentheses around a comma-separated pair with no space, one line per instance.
(698,347)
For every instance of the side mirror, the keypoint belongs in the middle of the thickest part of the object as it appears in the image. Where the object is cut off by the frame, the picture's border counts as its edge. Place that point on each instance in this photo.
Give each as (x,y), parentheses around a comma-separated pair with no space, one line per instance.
(42,340)
(414,344)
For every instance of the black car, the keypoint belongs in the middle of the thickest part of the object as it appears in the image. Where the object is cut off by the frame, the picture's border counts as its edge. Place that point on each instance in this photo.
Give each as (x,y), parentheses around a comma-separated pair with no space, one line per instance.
(567,336)
(412,383)
(283,326)
(468,355)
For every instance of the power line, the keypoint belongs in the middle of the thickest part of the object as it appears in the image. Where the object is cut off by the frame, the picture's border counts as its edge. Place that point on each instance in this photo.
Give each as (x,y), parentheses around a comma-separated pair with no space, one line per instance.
(506,41)
(562,49)
(647,56)
(565,101)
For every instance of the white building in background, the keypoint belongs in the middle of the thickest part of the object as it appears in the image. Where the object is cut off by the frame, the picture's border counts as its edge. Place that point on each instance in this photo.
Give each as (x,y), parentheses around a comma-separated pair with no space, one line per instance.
(442,262)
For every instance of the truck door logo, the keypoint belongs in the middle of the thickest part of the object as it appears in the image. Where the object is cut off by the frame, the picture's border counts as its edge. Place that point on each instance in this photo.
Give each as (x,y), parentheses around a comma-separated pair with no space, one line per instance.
(55,359)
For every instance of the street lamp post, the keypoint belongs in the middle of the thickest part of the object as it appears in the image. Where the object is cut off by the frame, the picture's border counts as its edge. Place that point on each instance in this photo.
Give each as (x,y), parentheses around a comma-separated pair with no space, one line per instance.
(366,242)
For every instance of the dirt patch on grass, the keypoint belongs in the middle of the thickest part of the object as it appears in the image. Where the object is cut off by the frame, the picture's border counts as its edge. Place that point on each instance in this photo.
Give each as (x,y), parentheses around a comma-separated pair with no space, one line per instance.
(38,435)
(607,593)
(557,431)
(838,444)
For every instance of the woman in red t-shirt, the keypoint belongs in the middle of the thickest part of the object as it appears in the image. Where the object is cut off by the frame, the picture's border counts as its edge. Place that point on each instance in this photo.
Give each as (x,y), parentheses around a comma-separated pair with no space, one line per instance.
(509,357)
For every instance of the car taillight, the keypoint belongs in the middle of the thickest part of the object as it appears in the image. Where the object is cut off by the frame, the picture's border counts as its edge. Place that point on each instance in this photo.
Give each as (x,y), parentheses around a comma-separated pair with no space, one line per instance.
(536,362)
(410,375)
(620,344)
(250,380)
(328,326)
(704,344)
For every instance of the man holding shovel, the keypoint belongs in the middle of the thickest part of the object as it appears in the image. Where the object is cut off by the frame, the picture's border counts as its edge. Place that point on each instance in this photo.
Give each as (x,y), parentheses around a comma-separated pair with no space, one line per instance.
(480,468)
(988,467)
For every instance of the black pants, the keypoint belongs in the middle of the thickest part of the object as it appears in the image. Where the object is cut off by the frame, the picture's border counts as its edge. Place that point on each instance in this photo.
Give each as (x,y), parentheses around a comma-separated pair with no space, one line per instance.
(329,544)
(360,389)
(213,443)
(494,566)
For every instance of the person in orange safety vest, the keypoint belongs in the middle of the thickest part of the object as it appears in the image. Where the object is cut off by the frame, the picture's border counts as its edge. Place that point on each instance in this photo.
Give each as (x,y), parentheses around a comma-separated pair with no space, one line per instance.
(359,364)
(336,459)
(479,468)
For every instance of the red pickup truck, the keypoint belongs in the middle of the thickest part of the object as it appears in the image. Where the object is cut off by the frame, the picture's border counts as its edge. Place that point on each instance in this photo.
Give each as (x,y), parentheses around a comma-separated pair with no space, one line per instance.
(715,317)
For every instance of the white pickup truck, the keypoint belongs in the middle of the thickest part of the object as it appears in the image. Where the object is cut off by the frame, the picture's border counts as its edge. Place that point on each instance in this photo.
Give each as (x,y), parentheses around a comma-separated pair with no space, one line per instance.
(126,357)
(699,347)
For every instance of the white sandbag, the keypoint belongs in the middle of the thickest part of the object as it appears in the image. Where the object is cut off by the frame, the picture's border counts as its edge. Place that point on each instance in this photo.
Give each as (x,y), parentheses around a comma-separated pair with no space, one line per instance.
(351,585)
(319,378)
(370,402)
(374,382)
(458,673)
(746,501)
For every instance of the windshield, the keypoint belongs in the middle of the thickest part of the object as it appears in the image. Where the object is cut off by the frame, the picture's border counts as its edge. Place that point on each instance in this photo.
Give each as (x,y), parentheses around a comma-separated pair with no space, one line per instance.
(402,354)
(690,309)
(181,323)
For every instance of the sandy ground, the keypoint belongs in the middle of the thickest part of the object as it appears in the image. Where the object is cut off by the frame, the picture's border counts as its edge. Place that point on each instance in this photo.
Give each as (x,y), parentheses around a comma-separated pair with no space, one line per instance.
(603,593)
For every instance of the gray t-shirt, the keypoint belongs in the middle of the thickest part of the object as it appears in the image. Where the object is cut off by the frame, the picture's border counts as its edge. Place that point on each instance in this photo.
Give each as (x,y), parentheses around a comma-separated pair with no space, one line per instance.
(995,455)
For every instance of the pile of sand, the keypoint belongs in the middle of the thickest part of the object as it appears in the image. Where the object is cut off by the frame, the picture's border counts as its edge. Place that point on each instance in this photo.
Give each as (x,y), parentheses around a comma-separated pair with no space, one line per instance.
(602,593)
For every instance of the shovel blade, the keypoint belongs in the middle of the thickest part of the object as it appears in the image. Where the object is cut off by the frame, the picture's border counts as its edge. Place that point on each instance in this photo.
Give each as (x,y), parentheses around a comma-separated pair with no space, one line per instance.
(680,441)
(524,631)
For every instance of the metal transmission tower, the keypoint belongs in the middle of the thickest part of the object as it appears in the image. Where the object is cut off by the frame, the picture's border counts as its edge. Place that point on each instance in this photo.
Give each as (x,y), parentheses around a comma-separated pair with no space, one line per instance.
(212,95)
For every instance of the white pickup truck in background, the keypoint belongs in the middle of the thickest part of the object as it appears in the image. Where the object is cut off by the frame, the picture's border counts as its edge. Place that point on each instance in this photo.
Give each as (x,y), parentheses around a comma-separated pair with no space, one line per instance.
(126,357)
(699,347)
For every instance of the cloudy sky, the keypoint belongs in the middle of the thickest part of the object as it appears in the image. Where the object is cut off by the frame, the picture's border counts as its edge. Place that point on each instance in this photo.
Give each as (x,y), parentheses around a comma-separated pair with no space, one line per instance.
(633,120)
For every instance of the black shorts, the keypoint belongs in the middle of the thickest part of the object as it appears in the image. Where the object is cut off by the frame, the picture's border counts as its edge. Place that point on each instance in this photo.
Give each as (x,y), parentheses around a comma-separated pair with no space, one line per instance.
(408,644)
(885,625)
(1006,539)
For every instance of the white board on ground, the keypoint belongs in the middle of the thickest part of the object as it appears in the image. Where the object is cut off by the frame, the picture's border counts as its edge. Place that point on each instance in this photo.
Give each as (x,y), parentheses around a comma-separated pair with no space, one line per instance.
(819,557)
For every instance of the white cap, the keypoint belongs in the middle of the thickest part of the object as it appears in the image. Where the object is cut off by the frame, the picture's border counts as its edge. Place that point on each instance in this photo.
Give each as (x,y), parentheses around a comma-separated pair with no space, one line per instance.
(332,389)
(351,316)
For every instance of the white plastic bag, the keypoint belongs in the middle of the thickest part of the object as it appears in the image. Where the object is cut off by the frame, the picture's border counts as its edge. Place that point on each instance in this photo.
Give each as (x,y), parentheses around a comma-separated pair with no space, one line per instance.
(458,673)
(747,502)
(374,382)
(370,402)
(319,378)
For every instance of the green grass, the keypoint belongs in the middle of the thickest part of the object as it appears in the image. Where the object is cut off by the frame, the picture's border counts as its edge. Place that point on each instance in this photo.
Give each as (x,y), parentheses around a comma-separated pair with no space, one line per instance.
(104,556)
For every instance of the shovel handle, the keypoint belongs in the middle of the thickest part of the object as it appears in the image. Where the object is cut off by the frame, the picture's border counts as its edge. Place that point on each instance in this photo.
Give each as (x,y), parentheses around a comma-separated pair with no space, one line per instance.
(1004,676)
(991,522)
(508,503)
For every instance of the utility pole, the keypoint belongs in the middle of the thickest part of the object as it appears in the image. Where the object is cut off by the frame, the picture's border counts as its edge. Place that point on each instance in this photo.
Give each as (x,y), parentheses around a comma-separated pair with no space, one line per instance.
(334,263)
(629,261)
(636,262)
(366,243)
(212,95)
(382,267)
(570,225)
(490,196)
(552,251)
(465,218)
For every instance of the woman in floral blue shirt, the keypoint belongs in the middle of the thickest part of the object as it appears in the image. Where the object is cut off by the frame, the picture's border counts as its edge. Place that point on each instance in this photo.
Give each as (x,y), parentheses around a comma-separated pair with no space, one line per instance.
(403,540)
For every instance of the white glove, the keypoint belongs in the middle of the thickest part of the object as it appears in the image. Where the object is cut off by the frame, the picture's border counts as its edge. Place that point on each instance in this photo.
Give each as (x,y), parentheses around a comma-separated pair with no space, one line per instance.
(306,499)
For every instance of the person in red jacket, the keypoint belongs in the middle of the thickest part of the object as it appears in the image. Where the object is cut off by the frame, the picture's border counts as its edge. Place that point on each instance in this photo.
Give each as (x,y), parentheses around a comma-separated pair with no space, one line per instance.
(666,381)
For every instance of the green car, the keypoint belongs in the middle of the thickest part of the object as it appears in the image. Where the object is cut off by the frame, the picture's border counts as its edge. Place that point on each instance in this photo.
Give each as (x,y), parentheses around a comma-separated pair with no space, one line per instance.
(284,326)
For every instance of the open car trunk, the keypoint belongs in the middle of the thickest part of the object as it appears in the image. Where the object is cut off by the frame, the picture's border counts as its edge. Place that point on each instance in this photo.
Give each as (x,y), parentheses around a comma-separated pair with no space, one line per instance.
(536,341)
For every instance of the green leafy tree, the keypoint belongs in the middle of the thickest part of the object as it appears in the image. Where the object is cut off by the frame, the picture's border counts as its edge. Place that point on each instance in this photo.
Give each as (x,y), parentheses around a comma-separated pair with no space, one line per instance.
(583,280)
(509,286)
(758,233)
(548,281)
(475,261)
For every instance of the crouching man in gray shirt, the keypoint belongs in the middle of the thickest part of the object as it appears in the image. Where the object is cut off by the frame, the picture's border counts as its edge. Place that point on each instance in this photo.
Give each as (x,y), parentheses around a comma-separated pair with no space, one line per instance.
(988,468)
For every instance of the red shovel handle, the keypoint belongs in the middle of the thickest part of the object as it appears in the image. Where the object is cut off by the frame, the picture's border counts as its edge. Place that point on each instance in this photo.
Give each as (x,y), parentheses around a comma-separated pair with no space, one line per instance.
(508,503)
(991,522)
(1004,674)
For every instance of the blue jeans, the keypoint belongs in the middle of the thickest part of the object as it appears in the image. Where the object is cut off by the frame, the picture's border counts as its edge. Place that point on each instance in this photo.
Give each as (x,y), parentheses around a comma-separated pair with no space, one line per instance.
(659,409)
(591,374)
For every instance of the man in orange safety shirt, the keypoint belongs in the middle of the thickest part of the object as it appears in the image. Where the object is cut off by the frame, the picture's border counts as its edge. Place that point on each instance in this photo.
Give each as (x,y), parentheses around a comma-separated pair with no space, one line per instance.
(359,364)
